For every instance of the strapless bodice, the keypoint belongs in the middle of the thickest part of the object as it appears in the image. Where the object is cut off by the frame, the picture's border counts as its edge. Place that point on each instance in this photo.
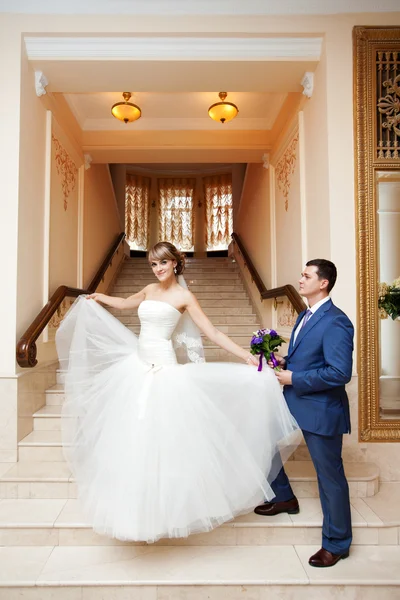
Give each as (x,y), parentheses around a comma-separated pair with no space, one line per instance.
(158,320)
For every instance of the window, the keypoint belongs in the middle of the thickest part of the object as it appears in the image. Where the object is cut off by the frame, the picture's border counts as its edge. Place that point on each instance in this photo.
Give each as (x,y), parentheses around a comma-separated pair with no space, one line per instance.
(219,211)
(176,212)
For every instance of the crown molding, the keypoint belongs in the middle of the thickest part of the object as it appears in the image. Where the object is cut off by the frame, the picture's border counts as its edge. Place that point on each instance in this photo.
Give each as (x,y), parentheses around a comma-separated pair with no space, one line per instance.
(195,7)
(173,48)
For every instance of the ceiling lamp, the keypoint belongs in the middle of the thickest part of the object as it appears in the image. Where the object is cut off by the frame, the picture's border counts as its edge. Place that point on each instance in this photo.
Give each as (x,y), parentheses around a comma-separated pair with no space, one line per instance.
(223,111)
(126,111)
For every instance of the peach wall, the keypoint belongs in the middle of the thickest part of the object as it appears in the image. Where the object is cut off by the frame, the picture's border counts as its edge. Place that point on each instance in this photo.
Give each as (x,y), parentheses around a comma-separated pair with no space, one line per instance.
(317,167)
(118,177)
(288,212)
(10,60)
(101,222)
(253,220)
(64,211)
(31,200)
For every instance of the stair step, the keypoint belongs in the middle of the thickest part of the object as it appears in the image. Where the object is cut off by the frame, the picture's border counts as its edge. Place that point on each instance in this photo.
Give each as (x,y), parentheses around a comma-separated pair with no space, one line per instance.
(195,572)
(363,477)
(210,274)
(62,522)
(132,287)
(211,311)
(47,418)
(205,295)
(230,328)
(192,281)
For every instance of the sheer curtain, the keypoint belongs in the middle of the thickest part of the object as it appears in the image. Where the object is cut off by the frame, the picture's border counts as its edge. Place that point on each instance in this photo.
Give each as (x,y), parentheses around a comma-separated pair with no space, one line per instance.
(219,211)
(176,211)
(137,211)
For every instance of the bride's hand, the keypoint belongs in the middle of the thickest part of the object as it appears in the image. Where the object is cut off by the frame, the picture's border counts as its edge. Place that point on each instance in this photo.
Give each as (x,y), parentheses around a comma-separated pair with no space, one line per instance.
(97,297)
(250,359)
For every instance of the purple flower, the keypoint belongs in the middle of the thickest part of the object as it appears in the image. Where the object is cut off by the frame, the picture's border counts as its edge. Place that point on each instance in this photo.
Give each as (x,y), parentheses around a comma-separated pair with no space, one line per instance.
(256,340)
(273,333)
(262,332)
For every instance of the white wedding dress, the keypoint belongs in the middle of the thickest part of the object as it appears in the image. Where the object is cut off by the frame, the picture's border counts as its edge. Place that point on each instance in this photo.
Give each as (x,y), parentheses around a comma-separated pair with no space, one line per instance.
(160,449)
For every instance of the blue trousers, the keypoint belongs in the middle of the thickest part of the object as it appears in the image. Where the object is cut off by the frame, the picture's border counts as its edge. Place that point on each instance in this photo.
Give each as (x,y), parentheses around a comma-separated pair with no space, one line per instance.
(326,454)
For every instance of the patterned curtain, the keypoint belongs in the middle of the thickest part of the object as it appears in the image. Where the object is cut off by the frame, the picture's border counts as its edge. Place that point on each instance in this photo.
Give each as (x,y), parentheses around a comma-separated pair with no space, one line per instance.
(137,210)
(176,211)
(219,211)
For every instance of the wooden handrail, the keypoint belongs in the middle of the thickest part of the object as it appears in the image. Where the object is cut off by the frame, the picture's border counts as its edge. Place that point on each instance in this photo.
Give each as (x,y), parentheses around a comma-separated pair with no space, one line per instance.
(285,290)
(26,347)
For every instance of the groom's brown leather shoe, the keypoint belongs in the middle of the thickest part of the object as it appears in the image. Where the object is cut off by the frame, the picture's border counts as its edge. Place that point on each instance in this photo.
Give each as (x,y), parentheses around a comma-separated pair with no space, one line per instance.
(324,558)
(275,508)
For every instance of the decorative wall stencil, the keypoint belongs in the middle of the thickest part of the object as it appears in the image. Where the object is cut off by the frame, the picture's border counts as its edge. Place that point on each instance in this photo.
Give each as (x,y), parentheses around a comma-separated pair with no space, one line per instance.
(60,313)
(287,315)
(285,168)
(66,169)
(388,105)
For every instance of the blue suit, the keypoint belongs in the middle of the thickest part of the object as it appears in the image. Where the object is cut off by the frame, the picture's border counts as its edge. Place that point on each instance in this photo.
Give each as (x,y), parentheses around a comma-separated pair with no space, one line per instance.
(321,362)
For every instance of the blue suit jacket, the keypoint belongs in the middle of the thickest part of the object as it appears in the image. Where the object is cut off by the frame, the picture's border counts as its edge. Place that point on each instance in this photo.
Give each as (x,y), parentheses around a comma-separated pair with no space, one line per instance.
(321,361)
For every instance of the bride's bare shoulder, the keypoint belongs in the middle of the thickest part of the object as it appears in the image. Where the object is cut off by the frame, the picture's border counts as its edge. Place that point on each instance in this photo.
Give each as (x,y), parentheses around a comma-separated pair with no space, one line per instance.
(150,288)
(187,297)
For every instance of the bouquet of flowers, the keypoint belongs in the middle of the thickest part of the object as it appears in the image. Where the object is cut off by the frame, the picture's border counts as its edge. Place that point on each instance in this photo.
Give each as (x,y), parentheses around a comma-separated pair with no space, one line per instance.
(264,342)
(389,300)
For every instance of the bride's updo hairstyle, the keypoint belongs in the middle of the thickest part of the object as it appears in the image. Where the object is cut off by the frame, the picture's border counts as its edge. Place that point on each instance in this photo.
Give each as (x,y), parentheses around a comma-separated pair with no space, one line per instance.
(167,251)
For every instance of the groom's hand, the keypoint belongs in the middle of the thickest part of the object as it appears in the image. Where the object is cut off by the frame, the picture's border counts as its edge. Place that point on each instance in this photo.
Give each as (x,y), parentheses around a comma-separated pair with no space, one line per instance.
(284,377)
(280,360)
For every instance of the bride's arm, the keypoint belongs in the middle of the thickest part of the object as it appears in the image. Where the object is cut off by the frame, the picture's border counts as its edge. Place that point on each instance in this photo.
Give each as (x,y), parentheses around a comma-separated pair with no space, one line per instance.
(121,303)
(213,334)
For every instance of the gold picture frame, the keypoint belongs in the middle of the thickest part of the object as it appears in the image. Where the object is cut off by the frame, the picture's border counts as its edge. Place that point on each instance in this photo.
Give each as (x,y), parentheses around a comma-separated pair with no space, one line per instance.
(376,149)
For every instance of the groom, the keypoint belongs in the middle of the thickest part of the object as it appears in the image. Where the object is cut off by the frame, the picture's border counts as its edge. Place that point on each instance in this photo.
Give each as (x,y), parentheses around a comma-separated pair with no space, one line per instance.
(315,371)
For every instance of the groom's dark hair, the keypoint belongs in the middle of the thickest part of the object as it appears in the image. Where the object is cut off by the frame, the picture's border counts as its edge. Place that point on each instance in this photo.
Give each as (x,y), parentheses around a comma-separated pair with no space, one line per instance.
(325,270)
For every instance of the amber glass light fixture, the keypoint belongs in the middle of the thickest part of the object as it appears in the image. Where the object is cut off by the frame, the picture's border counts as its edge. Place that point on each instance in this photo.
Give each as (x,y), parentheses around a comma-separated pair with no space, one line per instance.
(223,111)
(126,111)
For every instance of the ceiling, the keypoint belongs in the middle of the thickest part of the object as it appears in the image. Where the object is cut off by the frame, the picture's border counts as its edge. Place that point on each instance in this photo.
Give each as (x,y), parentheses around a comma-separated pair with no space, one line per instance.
(171,111)
(169,78)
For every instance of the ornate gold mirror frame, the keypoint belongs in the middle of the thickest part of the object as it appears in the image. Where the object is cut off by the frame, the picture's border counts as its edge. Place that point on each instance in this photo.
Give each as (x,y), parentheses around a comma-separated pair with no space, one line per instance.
(377,148)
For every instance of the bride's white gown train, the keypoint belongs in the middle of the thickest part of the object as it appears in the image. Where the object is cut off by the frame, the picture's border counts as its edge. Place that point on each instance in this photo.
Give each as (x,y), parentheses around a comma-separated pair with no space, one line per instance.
(160,449)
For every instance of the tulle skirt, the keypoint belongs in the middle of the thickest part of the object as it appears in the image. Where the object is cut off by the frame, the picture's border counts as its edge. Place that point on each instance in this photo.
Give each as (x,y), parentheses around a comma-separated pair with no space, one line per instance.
(166,450)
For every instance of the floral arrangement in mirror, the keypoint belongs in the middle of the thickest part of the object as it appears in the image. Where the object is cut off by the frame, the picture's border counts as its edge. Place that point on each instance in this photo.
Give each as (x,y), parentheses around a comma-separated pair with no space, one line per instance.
(389,299)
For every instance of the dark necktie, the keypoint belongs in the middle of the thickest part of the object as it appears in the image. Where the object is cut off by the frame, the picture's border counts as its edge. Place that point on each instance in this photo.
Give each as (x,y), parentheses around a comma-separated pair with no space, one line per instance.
(306,317)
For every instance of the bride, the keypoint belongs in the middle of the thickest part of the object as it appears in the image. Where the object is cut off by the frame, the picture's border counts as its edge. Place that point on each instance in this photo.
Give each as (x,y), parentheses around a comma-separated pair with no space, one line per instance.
(159,449)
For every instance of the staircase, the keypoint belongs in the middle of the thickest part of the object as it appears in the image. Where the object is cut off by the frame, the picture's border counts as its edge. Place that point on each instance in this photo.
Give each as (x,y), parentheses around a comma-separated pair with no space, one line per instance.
(48,551)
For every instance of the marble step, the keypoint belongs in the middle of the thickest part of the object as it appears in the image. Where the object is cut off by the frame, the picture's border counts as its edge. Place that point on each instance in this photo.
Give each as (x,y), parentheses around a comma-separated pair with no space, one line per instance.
(192,281)
(132,287)
(250,321)
(146,270)
(205,295)
(22,479)
(217,314)
(47,418)
(189,259)
(61,522)
(224,304)
(195,573)
(243,328)
(230,329)
(241,340)
(221,274)
(55,395)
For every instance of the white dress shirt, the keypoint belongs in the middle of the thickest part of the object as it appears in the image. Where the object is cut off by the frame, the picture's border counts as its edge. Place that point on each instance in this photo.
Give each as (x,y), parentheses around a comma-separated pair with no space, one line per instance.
(313,309)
